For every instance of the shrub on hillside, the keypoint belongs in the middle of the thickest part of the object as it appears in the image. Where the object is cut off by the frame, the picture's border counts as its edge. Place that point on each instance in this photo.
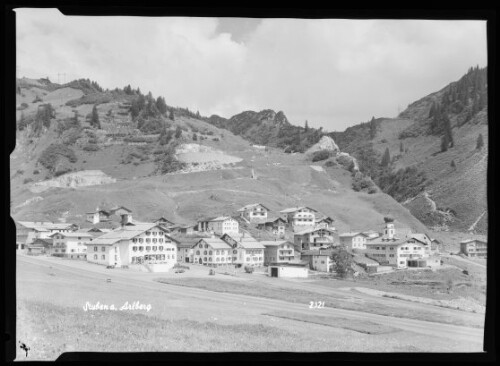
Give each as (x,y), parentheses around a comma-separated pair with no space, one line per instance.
(372,190)
(27,180)
(22,107)
(249,269)
(403,184)
(331,163)
(36,171)
(91,147)
(37,99)
(53,153)
(71,136)
(215,139)
(361,182)
(62,171)
(342,262)
(95,98)
(321,155)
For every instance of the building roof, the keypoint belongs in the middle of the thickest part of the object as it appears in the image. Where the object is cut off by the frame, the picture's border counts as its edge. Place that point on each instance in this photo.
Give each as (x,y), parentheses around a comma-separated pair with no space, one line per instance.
(311,230)
(123,233)
(250,206)
(481,238)
(244,240)
(215,243)
(274,243)
(47,241)
(293,209)
(289,264)
(218,218)
(420,237)
(74,234)
(324,218)
(396,240)
(351,234)
(45,225)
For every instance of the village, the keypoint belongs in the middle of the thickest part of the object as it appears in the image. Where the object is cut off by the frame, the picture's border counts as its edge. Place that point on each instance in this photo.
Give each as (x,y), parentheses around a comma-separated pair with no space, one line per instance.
(295,242)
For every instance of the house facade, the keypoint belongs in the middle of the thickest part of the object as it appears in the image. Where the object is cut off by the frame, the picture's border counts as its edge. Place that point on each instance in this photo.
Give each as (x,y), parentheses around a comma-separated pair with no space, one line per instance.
(474,247)
(300,216)
(254,212)
(246,251)
(70,245)
(275,226)
(28,231)
(319,260)
(212,252)
(133,244)
(353,240)
(315,238)
(220,225)
(278,251)
(396,251)
(324,222)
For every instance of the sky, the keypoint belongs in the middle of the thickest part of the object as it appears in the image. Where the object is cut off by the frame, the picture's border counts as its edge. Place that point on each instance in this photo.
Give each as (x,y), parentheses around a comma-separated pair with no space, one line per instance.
(334,73)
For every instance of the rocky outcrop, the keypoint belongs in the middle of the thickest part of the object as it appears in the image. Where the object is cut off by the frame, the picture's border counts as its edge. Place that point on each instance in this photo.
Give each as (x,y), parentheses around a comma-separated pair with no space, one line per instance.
(325,143)
(73,180)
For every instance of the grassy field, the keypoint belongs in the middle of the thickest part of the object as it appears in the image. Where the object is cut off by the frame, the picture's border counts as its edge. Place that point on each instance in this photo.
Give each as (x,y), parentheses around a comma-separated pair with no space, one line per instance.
(71,329)
(267,290)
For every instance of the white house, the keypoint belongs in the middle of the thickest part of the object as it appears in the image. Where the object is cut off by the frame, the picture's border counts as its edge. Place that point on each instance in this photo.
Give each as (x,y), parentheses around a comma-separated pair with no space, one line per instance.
(246,250)
(300,216)
(28,231)
(319,260)
(70,245)
(278,251)
(353,240)
(133,244)
(212,252)
(219,225)
(398,250)
(255,212)
(315,238)
(474,247)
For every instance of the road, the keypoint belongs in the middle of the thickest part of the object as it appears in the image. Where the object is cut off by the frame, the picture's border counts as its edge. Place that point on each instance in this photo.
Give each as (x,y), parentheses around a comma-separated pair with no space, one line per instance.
(247,307)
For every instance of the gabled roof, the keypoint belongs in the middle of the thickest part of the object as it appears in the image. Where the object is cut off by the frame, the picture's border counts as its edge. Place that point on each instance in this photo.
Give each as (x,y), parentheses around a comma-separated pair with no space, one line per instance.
(311,230)
(481,238)
(244,240)
(351,234)
(215,243)
(293,209)
(275,243)
(252,205)
(324,218)
(396,240)
(114,209)
(74,234)
(44,225)
(419,237)
(218,218)
(123,233)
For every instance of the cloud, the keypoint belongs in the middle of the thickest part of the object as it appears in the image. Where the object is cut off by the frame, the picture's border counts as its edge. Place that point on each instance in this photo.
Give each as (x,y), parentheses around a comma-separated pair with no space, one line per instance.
(333,73)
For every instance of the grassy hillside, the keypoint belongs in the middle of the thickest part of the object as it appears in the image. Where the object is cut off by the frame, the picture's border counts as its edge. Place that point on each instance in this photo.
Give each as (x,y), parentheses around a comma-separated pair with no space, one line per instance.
(129,148)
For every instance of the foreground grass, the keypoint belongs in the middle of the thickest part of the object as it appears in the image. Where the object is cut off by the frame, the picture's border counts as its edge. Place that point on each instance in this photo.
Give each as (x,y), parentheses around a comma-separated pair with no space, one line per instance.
(265,290)
(50,330)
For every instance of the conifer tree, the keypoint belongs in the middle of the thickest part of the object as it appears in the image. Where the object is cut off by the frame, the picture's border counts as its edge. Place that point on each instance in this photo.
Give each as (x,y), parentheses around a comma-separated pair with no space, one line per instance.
(386,159)
(479,142)
(171,115)
(444,143)
(401,147)
(453,165)
(94,119)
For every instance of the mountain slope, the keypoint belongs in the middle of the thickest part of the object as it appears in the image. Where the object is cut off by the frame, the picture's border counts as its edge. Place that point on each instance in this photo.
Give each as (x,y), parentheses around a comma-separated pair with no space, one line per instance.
(133,148)
(453,194)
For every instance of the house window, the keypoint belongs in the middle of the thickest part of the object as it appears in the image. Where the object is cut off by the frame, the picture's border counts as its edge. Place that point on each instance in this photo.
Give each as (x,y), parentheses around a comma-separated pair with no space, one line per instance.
(95,255)
(134,249)
(197,252)
(134,240)
(95,249)
(160,240)
(140,240)
(72,250)
(148,249)
(154,233)
(210,252)
(141,248)
(235,251)
(205,252)
(161,248)
(103,256)
(103,249)
(148,233)
(148,240)
(154,248)
(154,240)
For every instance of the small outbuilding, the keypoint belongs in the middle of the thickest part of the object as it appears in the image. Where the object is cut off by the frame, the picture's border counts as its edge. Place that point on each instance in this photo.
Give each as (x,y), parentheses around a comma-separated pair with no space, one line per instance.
(288,270)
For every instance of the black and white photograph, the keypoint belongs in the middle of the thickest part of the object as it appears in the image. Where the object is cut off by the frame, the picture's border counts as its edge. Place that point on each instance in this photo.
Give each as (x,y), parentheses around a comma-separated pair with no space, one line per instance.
(249,184)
